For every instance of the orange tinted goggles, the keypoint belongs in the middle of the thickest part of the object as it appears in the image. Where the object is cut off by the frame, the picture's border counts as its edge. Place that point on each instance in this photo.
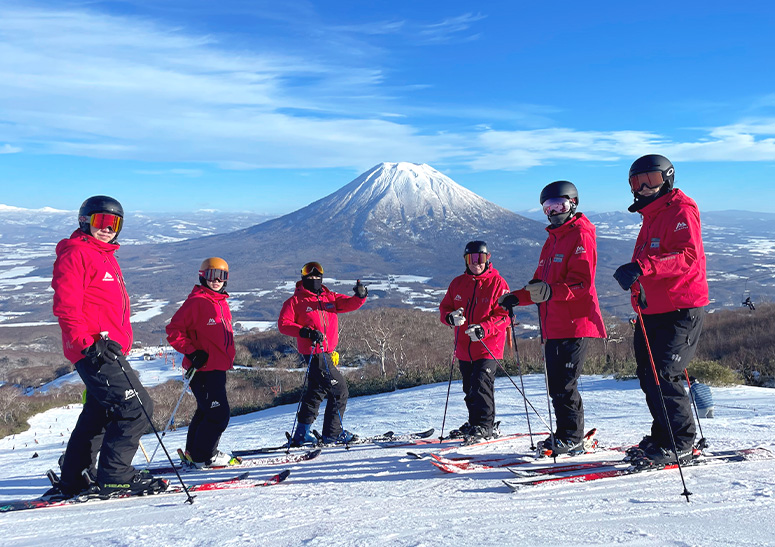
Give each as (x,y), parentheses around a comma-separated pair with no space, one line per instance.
(477,258)
(105,220)
(310,268)
(651,180)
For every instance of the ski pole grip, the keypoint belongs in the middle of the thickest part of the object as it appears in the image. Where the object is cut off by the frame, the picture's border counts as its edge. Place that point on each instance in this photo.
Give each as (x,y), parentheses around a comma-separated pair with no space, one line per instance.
(641,294)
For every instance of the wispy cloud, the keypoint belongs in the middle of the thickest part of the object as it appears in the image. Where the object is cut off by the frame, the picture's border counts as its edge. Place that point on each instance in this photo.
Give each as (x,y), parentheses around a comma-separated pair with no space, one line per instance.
(520,150)
(8,149)
(81,82)
(450,29)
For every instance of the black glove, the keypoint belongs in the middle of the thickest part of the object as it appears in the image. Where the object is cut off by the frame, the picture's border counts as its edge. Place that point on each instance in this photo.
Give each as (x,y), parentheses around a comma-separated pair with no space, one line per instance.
(360,289)
(627,274)
(103,351)
(508,302)
(198,358)
(315,335)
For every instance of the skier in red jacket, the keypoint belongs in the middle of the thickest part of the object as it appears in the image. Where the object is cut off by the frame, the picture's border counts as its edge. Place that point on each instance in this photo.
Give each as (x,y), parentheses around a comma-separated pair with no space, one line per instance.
(311,315)
(90,298)
(668,267)
(201,330)
(563,286)
(471,306)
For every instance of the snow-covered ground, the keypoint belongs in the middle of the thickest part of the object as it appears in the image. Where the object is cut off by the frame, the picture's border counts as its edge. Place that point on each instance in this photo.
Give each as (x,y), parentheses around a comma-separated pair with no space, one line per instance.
(376,496)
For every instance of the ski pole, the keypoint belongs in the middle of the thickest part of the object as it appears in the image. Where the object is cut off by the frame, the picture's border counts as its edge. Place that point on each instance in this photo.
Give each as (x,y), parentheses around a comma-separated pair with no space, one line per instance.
(546,378)
(298,407)
(142,448)
(334,397)
(186,382)
(641,299)
(498,362)
(521,381)
(702,443)
(449,386)
(121,361)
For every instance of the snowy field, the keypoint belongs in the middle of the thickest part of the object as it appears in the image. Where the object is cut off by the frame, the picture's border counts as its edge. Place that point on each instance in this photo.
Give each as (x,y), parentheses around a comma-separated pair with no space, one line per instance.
(377,496)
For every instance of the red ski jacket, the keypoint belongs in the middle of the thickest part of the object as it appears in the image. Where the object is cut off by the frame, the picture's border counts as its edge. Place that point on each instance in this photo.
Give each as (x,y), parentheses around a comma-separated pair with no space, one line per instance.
(204,322)
(319,312)
(567,263)
(478,296)
(669,250)
(89,294)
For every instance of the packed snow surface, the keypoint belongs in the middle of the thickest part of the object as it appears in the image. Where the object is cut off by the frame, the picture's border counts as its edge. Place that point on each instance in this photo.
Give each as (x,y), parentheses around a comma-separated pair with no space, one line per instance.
(380,496)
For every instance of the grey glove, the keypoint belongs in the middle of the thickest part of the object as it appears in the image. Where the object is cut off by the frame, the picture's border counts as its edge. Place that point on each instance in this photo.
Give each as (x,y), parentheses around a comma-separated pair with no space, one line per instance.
(540,291)
(456,318)
(475,332)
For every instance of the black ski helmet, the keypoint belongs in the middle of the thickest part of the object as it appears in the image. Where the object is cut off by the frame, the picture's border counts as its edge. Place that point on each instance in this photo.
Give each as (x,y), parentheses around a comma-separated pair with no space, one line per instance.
(475,247)
(654,162)
(561,189)
(98,204)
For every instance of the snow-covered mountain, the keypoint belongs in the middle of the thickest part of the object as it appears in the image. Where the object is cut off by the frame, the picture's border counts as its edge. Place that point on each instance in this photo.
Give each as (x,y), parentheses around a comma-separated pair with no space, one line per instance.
(396,218)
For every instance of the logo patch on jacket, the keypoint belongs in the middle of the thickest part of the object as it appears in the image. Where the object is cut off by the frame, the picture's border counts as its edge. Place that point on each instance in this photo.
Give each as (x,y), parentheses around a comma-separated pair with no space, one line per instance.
(215,404)
(129,393)
(458,297)
(580,249)
(108,277)
(655,243)
(558,257)
(330,305)
(212,321)
(309,309)
(681,226)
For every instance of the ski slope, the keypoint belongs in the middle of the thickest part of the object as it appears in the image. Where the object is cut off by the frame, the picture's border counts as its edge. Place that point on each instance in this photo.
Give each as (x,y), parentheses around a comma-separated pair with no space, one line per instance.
(378,496)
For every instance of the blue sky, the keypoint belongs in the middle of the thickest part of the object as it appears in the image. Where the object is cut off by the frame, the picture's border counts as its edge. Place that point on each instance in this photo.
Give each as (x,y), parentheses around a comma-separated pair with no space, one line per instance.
(175,105)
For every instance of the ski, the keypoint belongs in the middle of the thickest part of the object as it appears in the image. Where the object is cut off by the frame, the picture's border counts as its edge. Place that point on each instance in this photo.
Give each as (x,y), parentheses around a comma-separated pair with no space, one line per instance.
(386,437)
(283,459)
(469,466)
(240,481)
(621,468)
(459,446)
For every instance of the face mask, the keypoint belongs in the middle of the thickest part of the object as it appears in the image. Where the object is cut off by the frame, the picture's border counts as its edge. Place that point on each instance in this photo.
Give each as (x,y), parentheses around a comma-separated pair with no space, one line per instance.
(312,284)
(559,220)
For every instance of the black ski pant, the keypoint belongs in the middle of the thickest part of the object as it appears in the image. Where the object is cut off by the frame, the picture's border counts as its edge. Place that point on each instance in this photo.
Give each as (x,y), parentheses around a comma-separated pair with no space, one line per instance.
(564,361)
(673,338)
(479,387)
(211,416)
(111,424)
(324,381)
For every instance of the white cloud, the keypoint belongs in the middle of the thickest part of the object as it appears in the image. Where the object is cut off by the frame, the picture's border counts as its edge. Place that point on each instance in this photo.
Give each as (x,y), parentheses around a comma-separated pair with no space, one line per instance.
(84,83)
(8,149)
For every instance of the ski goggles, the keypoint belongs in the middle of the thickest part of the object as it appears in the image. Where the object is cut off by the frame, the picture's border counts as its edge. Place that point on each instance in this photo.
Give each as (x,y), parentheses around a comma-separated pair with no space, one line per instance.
(650,180)
(477,258)
(105,220)
(556,206)
(311,268)
(215,275)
